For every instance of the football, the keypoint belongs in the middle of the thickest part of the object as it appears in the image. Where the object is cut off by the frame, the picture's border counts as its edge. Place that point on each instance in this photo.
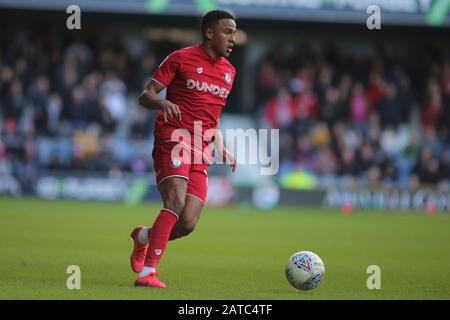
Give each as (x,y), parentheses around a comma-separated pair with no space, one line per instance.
(305,270)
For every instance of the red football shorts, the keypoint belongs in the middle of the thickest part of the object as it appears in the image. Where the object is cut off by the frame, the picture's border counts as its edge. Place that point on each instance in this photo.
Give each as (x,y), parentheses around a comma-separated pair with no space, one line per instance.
(167,166)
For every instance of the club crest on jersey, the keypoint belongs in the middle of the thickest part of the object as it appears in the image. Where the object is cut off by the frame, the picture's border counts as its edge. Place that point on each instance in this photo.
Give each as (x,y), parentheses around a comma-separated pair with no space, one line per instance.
(176,163)
(227,77)
(199,70)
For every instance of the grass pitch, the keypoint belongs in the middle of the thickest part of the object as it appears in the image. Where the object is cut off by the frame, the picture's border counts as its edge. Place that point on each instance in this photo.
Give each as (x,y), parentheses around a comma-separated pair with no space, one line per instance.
(235,253)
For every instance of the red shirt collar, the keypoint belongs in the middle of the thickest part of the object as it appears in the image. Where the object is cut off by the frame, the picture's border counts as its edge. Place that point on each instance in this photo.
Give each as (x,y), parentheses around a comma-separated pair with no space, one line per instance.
(207,55)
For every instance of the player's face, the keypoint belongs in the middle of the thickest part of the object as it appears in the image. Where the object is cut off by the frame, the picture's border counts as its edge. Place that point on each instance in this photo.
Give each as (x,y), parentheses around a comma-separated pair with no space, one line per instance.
(224,36)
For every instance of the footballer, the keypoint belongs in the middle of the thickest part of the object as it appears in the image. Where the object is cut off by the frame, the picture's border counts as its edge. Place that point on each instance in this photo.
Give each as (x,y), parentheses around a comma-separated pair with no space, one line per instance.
(198,80)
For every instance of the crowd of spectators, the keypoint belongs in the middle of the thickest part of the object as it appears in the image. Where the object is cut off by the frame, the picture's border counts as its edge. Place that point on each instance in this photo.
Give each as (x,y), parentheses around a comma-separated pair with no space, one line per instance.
(343,116)
(71,105)
(350,118)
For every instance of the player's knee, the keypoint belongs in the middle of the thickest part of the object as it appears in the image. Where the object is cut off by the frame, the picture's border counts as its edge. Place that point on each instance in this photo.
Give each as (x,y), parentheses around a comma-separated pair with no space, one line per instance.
(189,225)
(187,230)
(173,192)
(175,204)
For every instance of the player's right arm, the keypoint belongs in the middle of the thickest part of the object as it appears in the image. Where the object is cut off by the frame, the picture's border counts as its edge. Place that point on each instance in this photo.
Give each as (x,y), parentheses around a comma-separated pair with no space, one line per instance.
(150,99)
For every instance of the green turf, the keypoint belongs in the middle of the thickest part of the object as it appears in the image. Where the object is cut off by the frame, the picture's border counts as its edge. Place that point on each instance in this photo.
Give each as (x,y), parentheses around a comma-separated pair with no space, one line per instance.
(235,253)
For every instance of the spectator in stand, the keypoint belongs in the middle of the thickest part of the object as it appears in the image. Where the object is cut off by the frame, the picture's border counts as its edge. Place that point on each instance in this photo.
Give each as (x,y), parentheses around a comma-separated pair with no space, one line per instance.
(79,109)
(22,72)
(390,109)
(287,149)
(333,109)
(324,80)
(146,69)
(320,136)
(324,162)
(392,141)
(14,101)
(267,83)
(303,157)
(345,88)
(445,119)
(306,102)
(54,109)
(5,163)
(67,77)
(26,168)
(374,176)
(358,106)
(444,167)
(364,158)
(389,169)
(406,99)
(374,133)
(420,171)
(91,85)
(142,126)
(6,77)
(113,96)
(347,163)
(432,110)
(375,90)
(306,108)
(81,53)
(139,164)
(431,173)
(107,122)
(432,141)
(86,148)
(40,96)
(280,111)
(337,138)
(413,149)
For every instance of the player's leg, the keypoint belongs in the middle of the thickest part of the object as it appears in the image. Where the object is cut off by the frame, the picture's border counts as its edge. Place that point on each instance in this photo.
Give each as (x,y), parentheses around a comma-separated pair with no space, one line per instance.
(195,201)
(173,193)
(185,224)
(165,169)
(188,219)
(172,176)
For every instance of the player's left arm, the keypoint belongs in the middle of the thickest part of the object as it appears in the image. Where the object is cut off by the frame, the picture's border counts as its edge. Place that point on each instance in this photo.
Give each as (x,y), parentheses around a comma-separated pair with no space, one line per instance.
(223,151)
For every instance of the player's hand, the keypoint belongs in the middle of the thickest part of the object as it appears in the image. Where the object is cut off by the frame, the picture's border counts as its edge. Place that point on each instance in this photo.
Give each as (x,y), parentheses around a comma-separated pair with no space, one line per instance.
(230,160)
(233,166)
(171,110)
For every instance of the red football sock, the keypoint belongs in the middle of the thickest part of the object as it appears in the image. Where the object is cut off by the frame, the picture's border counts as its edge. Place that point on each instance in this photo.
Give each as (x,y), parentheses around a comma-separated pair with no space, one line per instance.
(174,235)
(160,232)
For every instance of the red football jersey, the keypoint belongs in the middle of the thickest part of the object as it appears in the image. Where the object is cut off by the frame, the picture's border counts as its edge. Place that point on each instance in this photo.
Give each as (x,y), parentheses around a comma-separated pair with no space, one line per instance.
(198,84)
